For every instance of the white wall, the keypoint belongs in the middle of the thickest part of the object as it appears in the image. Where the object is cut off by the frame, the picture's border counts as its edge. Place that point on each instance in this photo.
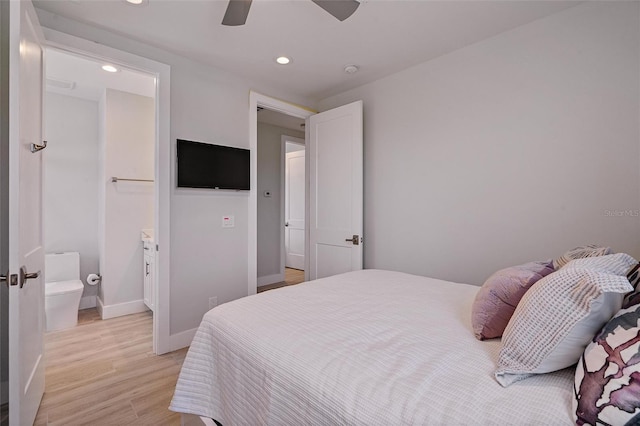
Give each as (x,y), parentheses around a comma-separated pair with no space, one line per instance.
(128,153)
(509,150)
(209,105)
(71,183)
(269,179)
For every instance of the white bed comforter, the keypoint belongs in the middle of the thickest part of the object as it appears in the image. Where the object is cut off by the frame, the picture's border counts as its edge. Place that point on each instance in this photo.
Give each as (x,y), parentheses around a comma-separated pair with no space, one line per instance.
(363,348)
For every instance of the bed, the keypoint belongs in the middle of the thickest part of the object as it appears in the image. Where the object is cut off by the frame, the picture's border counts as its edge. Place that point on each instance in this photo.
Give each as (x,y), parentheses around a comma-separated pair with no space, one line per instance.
(361,348)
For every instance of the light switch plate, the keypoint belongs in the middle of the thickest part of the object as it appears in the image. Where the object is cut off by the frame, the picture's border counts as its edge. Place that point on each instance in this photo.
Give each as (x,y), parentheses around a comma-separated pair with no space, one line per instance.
(228,222)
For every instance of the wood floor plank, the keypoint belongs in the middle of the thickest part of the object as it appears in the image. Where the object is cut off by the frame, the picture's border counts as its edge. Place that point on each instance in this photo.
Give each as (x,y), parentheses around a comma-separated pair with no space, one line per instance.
(105,373)
(291,277)
(70,376)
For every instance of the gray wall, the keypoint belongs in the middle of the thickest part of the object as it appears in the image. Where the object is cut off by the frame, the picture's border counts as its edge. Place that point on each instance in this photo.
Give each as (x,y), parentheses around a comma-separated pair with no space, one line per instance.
(71,182)
(269,179)
(502,152)
(509,150)
(209,105)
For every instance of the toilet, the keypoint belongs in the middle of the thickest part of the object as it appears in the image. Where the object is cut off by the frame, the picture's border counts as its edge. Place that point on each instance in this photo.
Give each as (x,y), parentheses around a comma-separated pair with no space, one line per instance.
(62,289)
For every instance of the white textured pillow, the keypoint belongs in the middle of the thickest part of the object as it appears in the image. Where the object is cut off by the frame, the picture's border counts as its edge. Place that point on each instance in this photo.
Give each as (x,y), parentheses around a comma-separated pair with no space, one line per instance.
(617,264)
(556,319)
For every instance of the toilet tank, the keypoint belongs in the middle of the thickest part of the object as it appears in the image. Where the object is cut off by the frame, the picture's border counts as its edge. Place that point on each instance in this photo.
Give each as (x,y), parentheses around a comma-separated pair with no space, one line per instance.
(61,266)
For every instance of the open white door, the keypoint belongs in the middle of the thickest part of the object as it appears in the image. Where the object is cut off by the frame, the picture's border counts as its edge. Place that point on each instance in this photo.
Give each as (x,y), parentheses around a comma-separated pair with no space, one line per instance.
(294,182)
(335,191)
(26,255)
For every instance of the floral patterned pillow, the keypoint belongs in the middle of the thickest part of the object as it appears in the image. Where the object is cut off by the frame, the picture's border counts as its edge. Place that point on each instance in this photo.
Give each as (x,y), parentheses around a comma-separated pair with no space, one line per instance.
(607,383)
(633,276)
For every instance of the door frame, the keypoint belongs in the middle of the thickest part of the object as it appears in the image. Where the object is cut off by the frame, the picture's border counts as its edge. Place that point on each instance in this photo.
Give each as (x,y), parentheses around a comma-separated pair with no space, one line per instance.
(259,100)
(283,161)
(164,168)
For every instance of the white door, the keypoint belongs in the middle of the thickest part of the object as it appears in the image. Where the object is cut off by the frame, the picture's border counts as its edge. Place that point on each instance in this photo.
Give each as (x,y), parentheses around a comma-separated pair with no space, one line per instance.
(335,191)
(294,209)
(26,256)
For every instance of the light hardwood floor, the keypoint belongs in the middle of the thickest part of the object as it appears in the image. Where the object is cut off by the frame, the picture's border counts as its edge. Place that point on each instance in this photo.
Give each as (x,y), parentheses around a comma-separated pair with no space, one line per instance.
(105,373)
(291,277)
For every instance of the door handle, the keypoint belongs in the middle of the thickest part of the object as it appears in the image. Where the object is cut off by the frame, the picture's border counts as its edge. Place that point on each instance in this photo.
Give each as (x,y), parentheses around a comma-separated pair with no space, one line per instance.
(355,240)
(286,224)
(24,276)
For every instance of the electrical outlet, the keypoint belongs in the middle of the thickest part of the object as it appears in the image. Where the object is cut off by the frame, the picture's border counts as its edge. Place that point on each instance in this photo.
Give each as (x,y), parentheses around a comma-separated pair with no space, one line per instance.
(213,302)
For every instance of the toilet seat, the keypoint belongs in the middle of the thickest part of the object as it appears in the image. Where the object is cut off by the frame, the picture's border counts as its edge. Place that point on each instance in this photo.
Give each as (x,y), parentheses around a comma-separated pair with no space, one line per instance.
(57,288)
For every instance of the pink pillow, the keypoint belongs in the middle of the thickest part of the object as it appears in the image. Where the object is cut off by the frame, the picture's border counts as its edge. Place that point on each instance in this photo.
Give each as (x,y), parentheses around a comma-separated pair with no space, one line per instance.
(499,295)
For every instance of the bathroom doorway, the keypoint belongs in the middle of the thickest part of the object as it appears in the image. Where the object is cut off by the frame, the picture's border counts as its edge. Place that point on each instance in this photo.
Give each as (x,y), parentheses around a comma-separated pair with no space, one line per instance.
(100,194)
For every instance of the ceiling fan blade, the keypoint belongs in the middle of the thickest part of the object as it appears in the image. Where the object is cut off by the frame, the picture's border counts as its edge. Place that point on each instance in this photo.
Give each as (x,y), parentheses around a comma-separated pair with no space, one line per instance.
(237,12)
(340,9)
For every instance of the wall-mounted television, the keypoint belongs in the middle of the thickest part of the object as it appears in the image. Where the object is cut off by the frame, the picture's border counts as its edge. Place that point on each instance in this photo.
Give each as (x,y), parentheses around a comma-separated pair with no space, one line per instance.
(203,165)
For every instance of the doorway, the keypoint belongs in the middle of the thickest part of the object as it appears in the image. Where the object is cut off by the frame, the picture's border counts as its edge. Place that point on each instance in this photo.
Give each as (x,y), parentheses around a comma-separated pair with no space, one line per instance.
(99,175)
(276,131)
(160,74)
(293,155)
(333,210)
(288,110)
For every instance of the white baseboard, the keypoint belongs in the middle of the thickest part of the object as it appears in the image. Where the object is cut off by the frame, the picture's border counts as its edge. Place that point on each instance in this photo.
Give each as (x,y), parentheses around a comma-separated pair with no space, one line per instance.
(121,309)
(182,339)
(270,279)
(99,305)
(87,302)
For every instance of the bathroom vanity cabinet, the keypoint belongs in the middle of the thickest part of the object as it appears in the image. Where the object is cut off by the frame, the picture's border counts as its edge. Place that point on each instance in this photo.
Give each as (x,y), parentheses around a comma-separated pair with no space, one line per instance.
(148,271)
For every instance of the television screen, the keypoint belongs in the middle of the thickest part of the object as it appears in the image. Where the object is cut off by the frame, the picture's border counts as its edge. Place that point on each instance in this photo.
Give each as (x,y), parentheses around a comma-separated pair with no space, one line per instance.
(202,165)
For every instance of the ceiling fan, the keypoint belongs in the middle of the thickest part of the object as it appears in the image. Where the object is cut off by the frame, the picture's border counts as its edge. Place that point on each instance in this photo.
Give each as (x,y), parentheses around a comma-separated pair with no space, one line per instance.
(238,10)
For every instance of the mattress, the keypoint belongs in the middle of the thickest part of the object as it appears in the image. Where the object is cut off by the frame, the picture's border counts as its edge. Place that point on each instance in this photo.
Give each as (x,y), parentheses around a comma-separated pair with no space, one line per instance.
(362,348)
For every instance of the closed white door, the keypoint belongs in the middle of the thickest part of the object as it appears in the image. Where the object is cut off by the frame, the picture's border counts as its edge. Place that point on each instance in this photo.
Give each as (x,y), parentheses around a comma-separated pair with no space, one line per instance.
(335,191)
(26,256)
(294,209)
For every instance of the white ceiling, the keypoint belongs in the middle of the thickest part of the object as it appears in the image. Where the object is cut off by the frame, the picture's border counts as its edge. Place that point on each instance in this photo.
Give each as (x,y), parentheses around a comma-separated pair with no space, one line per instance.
(88,78)
(88,81)
(382,37)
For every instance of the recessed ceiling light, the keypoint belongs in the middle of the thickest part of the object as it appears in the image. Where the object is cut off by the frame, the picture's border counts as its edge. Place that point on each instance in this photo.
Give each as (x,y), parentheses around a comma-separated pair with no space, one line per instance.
(136,2)
(283,60)
(110,68)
